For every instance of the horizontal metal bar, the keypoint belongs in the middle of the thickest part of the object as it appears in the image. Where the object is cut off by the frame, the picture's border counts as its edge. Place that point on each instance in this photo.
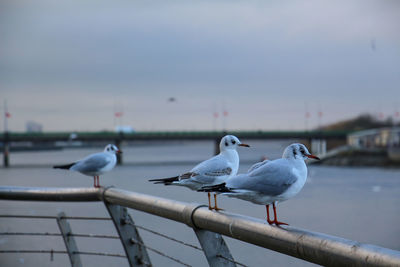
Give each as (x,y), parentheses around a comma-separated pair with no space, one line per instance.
(27,216)
(168,237)
(30,234)
(310,246)
(100,254)
(58,234)
(34,251)
(54,217)
(50,194)
(65,252)
(95,236)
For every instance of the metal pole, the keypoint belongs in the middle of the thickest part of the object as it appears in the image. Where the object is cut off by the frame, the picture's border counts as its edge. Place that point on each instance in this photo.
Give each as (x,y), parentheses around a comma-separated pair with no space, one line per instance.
(129,236)
(50,194)
(69,240)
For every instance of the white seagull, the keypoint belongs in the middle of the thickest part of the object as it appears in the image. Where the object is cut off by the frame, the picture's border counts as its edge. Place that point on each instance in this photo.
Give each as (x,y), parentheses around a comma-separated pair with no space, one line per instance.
(95,164)
(212,171)
(270,181)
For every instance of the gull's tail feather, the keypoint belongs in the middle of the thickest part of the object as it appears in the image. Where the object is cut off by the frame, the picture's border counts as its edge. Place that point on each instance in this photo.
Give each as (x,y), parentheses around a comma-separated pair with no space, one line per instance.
(165,181)
(216,188)
(65,167)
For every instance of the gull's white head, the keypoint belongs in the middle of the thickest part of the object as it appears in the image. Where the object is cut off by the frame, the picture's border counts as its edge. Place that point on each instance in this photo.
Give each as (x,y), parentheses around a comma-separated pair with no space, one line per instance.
(297,151)
(112,149)
(230,142)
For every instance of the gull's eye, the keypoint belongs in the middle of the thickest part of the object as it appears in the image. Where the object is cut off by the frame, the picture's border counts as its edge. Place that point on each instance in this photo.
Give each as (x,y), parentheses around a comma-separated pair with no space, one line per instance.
(233,142)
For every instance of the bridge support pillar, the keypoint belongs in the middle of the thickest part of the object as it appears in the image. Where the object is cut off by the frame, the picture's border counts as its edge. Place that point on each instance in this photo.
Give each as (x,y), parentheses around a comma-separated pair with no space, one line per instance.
(216,146)
(318,146)
(6,150)
(119,155)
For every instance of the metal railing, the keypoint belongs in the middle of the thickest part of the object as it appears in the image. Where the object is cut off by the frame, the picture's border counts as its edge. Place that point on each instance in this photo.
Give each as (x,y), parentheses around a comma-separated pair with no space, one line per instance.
(310,246)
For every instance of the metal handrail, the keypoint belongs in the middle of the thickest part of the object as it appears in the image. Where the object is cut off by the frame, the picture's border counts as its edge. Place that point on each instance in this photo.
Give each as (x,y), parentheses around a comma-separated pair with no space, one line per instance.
(310,246)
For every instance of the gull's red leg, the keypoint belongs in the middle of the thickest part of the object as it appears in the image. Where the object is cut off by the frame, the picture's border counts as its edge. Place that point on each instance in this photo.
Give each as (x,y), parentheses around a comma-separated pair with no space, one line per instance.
(216,206)
(209,201)
(98,181)
(268,219)
(276,218)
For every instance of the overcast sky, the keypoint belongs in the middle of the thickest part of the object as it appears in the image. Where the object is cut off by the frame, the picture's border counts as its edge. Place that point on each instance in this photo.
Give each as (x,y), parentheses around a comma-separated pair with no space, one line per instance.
(70,65)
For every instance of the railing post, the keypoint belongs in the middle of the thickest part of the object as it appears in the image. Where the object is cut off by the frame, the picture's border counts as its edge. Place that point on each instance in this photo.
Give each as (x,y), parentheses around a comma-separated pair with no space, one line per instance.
(69,240)
(129,236)
(215,248)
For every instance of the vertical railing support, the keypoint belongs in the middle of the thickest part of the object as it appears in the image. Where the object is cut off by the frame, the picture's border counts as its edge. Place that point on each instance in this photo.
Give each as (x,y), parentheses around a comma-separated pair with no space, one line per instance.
(69,240)
(129,235)
(215,248)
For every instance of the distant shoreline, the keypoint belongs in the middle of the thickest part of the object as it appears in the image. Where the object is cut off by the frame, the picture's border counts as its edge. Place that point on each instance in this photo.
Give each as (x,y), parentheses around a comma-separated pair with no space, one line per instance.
(360,158)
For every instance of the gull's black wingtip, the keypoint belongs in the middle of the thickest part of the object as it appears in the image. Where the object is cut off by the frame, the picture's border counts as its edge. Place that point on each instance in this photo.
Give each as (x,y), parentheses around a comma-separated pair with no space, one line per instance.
(65,167)
(221,188)
(165,181)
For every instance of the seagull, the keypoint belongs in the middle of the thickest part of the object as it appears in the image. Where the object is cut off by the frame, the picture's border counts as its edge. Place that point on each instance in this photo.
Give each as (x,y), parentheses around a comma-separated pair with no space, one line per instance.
(270,181)
(95,164)
(212,171)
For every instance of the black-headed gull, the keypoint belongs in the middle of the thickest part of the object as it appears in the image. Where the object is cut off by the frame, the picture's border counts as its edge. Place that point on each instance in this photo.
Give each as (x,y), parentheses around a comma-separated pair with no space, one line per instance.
(270,181)
(212,171)
(94,164)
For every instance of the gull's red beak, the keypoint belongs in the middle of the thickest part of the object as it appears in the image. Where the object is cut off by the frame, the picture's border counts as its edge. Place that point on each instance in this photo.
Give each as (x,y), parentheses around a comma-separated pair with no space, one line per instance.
(312,157)
(119,151)
(245,145)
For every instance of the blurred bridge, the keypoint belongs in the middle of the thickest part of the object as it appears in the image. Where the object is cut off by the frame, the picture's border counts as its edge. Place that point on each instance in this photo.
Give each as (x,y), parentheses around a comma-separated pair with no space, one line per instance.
(49,139)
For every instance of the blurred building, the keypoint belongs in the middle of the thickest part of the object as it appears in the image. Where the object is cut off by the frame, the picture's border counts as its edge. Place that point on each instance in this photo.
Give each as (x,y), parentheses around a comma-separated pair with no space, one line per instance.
(124,129)
(33,127)
(375,138)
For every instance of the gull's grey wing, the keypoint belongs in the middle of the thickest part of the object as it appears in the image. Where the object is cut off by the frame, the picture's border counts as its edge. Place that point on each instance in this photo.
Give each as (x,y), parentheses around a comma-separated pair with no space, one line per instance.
(273,178)
(92,163)
(208,171)
(257,165)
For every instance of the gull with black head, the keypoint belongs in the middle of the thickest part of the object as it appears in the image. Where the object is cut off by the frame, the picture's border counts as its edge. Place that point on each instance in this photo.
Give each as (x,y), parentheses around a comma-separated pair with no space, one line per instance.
(270,181)
(211,171)
(95,164)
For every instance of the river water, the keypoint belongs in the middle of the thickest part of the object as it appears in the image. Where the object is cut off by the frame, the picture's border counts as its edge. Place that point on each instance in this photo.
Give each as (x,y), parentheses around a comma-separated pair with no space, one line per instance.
(361,204)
